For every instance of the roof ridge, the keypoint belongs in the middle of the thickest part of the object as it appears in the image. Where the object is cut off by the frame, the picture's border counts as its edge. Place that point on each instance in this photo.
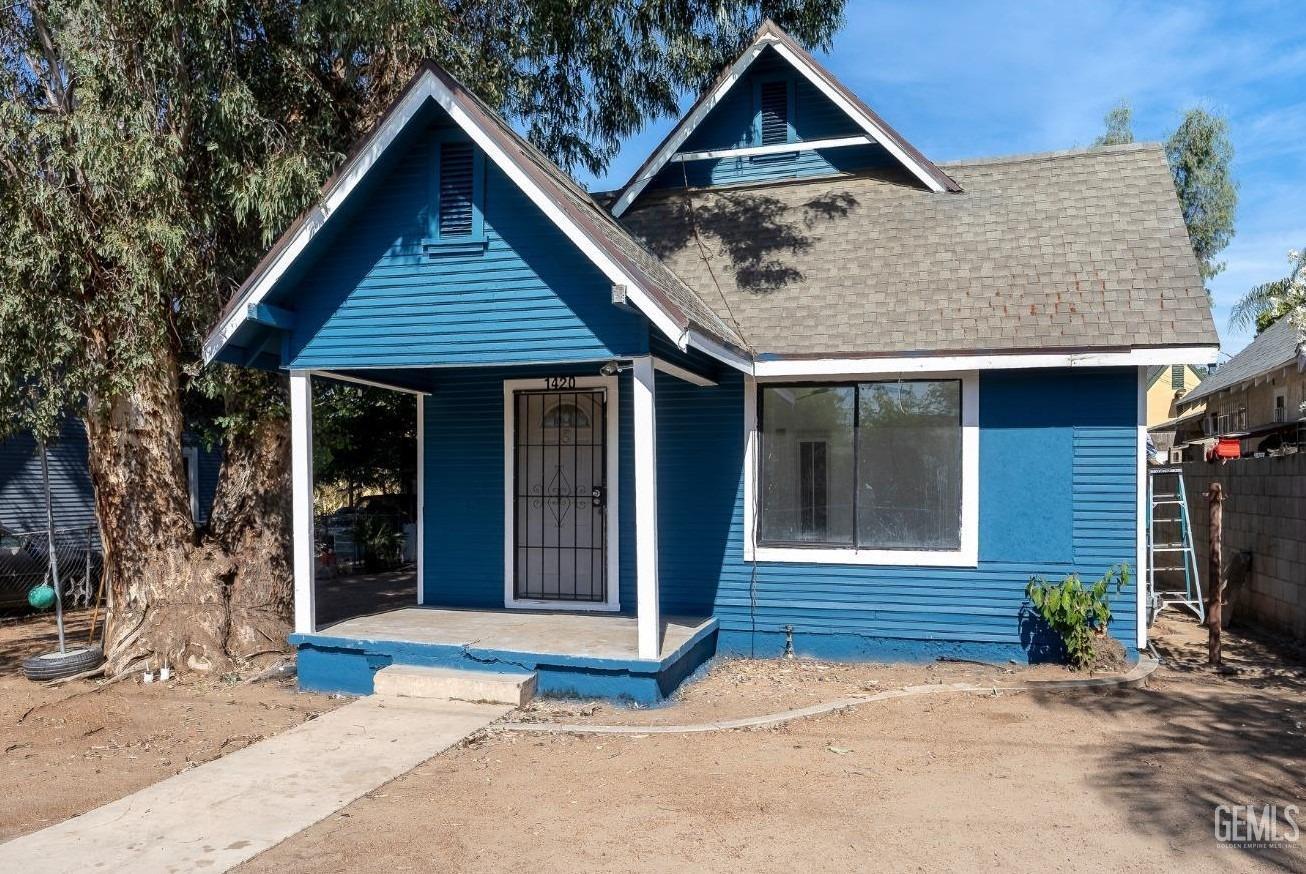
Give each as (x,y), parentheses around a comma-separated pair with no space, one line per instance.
(1058,154)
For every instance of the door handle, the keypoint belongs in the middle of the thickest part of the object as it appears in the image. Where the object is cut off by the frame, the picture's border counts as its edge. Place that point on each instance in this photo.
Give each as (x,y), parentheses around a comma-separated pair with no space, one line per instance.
(598,495)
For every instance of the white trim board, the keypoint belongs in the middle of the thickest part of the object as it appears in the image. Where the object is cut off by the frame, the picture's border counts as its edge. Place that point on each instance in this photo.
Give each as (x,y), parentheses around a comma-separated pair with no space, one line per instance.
(1141,570)
(421,498)
(682,373)
(773,149)
(370,383)
(966,556)
(802,368)
(613,486)
(866,123)
(192,456)
(429,86)
(690,123)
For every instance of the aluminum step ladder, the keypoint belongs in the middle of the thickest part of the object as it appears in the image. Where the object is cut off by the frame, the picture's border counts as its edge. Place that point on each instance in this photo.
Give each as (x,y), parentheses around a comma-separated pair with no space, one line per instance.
(1172,578)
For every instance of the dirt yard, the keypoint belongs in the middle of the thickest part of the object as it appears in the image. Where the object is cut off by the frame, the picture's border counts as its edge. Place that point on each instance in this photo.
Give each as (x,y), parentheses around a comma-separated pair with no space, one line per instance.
(71,748)
(1125,781)
(1099,782)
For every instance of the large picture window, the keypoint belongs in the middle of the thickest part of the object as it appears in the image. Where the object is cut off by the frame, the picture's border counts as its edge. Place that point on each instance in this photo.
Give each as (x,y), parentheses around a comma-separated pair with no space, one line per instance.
(870,465)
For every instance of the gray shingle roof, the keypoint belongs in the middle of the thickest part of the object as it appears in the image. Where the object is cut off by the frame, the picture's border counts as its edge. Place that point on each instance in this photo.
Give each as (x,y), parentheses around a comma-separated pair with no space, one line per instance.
(1068,250)
(1274,347)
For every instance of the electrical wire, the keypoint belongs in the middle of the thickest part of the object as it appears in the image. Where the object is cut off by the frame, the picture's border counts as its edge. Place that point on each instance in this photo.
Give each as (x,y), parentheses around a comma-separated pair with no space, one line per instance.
(751,426)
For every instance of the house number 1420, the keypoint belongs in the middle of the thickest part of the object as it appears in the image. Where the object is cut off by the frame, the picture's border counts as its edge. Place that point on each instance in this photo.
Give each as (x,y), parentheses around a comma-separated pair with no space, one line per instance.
(557,382)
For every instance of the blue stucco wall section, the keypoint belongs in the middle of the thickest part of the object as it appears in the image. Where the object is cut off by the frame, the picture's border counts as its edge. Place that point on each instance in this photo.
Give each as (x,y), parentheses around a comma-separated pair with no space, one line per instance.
(464,485)
(1057,487)
(732,124)
(376,296)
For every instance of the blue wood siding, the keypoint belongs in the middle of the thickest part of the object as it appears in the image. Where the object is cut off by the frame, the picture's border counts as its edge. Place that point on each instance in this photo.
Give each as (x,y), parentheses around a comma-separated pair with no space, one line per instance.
(732,124)
(1057,494)
(464,525)
(22,498)
(379,296)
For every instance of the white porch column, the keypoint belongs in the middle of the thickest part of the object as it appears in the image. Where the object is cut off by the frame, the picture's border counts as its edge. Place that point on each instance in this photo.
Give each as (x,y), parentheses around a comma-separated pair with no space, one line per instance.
(301,487)
(646,509)
(421,499)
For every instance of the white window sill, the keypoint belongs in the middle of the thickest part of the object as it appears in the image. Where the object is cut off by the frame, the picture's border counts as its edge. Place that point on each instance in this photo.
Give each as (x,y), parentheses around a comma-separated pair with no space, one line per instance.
(887,557)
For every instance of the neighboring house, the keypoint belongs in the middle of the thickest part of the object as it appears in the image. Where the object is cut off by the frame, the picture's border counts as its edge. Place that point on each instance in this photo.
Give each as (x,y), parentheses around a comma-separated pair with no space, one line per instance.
(832,396)
(1258,397)
(22,497)
(1166,387)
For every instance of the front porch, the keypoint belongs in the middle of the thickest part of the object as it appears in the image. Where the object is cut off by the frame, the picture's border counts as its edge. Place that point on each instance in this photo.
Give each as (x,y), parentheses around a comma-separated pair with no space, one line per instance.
(537,538)
(581,654)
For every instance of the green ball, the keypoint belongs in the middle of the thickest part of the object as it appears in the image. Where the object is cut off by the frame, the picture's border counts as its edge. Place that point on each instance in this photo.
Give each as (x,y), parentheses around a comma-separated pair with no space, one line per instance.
(42,597)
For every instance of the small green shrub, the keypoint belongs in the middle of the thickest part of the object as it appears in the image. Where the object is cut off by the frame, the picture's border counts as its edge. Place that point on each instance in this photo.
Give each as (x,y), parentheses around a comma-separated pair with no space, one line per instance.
(1079,614)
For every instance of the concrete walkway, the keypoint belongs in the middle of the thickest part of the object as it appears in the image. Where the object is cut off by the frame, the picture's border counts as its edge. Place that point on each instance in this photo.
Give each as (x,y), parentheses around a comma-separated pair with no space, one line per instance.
(214,817)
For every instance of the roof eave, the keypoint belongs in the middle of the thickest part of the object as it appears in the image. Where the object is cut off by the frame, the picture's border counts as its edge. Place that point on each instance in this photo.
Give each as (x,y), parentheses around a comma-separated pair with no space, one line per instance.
(432,82)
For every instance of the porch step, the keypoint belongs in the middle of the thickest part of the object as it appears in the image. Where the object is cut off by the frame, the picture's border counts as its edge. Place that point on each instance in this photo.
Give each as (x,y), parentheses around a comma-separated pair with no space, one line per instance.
(454,684)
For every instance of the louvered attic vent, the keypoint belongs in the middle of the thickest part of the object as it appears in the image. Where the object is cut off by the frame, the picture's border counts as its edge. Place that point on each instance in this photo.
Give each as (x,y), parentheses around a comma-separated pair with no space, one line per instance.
(457,186)
(774,100)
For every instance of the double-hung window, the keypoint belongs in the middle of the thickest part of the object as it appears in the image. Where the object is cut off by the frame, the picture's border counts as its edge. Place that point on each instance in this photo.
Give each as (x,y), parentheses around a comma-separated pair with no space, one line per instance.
(872,468)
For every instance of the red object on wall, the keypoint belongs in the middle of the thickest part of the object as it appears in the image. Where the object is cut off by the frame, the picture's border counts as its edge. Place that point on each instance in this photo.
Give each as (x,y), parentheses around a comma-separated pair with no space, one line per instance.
(1228,447)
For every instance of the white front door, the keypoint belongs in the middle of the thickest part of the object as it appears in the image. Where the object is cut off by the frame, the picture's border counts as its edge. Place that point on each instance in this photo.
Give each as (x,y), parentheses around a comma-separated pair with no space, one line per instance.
(560,551)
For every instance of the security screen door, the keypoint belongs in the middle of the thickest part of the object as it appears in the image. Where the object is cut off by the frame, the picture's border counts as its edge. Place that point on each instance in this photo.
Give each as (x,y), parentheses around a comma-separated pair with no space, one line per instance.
(560,496)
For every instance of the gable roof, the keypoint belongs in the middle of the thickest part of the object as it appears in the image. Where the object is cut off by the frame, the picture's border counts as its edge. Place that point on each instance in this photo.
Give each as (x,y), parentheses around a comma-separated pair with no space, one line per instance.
(1062,252)
(770,34)
(649,284)
(1154,373)
(1277,346)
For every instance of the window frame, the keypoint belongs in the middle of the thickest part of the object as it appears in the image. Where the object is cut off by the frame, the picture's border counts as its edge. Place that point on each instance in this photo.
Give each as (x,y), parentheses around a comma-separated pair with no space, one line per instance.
(967,555)
(476,238)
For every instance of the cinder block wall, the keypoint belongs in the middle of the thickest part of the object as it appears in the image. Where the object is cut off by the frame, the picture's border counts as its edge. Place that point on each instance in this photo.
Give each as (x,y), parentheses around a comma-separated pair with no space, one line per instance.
(1264,514)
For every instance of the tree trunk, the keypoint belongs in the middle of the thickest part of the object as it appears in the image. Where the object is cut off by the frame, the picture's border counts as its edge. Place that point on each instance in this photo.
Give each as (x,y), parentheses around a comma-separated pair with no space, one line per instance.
(174,598)
(251,523)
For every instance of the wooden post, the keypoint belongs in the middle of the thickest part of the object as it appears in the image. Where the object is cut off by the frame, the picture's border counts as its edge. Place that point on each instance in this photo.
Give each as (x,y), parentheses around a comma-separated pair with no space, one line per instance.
(1215,575)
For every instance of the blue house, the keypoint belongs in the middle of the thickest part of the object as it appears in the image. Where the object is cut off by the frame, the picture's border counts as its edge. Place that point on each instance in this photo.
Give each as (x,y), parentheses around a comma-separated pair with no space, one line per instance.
(793,386)
(72,496)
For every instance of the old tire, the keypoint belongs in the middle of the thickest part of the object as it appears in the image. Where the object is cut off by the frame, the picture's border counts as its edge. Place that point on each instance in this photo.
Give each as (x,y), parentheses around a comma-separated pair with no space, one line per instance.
(57,665)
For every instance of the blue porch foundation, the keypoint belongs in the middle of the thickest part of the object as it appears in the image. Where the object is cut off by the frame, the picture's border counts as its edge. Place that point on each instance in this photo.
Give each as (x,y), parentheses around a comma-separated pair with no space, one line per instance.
(585,656)
(864,648)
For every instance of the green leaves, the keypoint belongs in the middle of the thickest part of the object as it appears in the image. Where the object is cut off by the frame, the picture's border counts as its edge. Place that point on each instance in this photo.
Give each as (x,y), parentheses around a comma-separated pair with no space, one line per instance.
(1201,155)
(1119,126)
(1078,615)
(153,150)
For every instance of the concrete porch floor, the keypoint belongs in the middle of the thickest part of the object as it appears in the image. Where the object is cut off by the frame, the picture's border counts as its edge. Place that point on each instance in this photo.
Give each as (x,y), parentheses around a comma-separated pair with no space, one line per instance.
(582,654)
(541,632)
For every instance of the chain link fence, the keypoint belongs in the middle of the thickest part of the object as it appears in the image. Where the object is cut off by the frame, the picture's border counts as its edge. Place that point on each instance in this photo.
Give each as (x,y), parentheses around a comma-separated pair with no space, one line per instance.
(25,564)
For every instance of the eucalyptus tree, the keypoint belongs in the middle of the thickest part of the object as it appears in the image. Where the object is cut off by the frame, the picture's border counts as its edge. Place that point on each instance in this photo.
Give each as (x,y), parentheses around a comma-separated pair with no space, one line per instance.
(1119,126)
(1201,162)
(152,150)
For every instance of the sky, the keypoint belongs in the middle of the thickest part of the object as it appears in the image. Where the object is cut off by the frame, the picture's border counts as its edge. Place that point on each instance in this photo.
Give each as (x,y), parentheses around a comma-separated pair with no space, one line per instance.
(972,78)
